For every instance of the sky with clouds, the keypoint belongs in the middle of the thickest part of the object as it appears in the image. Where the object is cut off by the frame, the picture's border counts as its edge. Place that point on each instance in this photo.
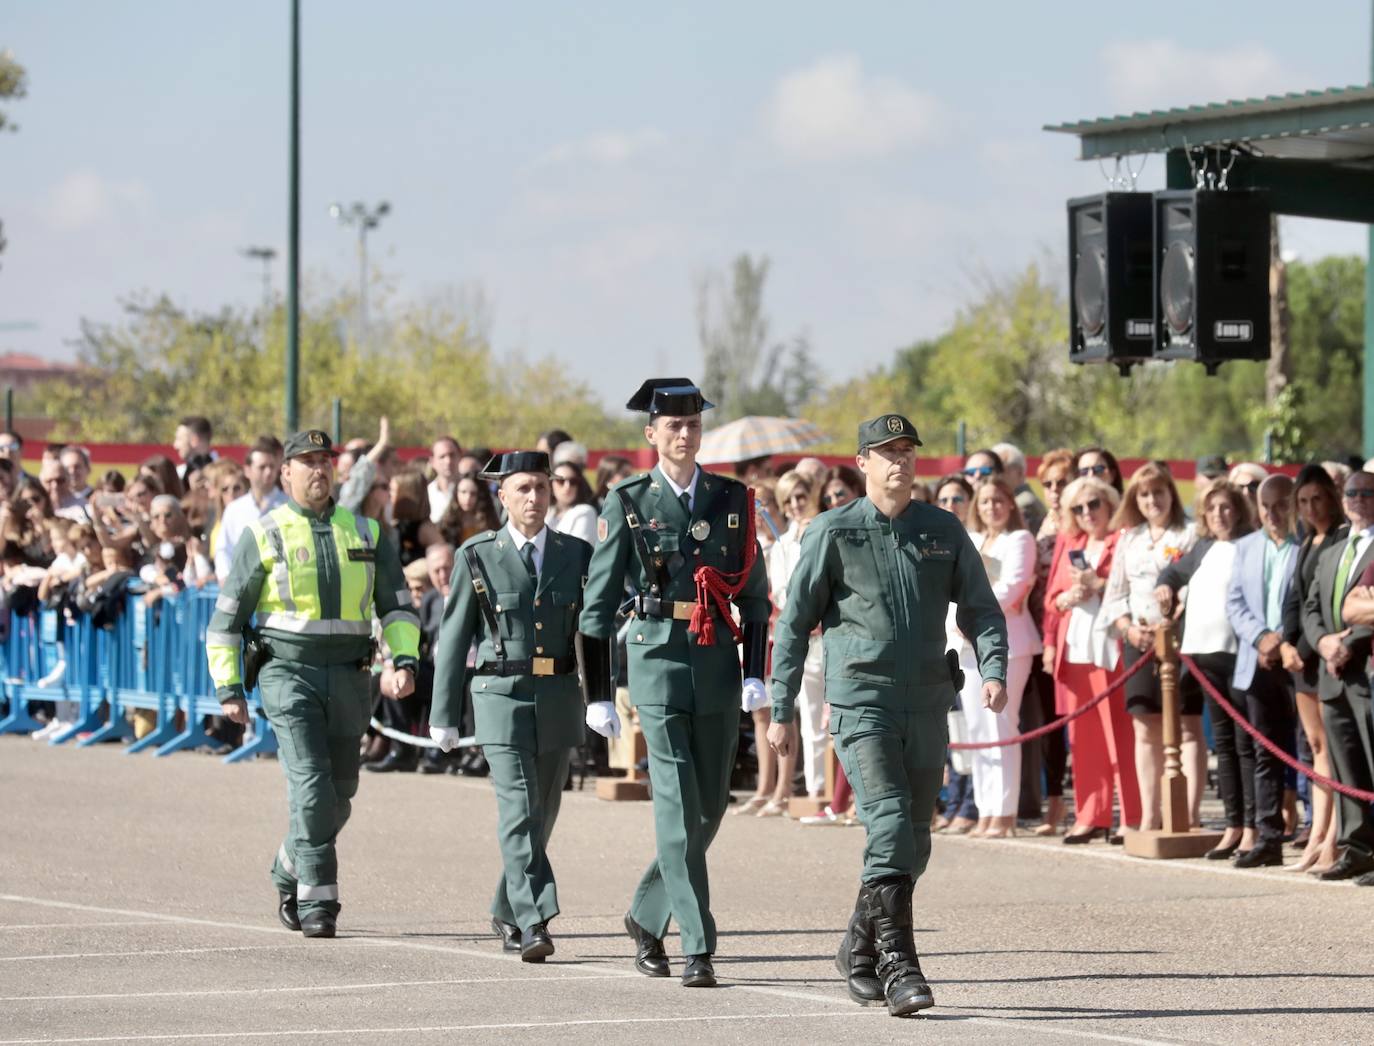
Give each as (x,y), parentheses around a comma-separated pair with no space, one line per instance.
(584,165)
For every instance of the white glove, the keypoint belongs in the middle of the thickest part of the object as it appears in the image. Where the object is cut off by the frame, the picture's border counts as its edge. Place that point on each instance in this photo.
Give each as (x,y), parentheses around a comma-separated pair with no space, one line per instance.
(446,737)
(754,695)
(601,717)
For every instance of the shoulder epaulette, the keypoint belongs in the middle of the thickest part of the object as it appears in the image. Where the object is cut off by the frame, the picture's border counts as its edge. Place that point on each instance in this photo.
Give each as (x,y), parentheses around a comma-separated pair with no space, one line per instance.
(480,539)
(632,481)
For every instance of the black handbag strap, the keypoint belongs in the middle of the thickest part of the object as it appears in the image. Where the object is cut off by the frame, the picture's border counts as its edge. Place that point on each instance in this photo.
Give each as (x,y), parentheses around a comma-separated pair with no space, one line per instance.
(482,587)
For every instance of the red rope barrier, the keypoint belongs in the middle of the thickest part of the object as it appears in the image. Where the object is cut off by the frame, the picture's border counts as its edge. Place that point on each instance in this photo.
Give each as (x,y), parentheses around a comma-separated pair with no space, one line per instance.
(1049,728)
(1302,768)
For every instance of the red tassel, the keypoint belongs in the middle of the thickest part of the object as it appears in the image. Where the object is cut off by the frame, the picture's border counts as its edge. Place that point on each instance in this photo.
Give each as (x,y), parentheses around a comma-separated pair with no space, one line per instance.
(713,588)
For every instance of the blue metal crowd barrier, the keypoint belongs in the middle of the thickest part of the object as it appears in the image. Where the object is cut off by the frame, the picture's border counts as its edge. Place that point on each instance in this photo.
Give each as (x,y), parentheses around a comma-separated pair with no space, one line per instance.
(152,658)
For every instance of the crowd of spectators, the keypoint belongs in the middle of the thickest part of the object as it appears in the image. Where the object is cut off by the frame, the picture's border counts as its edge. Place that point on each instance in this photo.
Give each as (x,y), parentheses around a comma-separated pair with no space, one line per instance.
(1272,578)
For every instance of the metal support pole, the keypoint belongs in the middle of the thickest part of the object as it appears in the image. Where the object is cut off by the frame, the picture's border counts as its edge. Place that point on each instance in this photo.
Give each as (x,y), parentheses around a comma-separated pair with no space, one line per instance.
(362,284)
(293,254)
(1368,412)
(961,439)
(1268,446)
(338,421)
(9,408)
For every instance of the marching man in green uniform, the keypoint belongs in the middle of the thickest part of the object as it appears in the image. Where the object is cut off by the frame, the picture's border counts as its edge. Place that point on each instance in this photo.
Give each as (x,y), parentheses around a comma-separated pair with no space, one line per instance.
(877,576)
(517,592)
(684,539)
(315,575)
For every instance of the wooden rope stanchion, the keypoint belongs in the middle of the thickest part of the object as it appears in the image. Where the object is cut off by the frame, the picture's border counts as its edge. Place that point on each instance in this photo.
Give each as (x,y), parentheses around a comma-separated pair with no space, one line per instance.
(1175,839)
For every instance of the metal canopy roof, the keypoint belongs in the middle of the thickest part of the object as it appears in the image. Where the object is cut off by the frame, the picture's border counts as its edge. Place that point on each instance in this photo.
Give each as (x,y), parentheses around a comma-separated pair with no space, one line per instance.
(1336,124)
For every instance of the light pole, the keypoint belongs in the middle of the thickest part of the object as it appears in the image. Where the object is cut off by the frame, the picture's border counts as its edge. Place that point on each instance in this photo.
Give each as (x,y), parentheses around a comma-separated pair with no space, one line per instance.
(359,214)
(264,255)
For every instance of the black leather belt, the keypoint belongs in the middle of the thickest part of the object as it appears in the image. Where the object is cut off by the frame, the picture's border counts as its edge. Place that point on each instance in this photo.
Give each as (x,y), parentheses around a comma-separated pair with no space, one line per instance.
(529,666)
(649,606)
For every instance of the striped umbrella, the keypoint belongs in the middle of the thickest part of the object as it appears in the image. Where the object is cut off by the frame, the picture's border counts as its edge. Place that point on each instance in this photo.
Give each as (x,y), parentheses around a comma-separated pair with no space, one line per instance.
(756,437)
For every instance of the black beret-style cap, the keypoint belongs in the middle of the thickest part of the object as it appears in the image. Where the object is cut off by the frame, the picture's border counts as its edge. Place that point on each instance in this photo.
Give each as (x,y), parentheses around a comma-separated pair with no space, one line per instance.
(503,465)
(676,397)
(311,441)
(885,429)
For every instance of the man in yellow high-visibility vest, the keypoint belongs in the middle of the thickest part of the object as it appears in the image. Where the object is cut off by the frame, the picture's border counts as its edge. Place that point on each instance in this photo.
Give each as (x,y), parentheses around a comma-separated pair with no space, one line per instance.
(315,575)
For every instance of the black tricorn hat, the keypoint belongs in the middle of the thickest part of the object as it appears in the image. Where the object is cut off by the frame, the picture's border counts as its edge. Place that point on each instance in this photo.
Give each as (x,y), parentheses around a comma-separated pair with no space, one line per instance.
(503,465)
(676,397)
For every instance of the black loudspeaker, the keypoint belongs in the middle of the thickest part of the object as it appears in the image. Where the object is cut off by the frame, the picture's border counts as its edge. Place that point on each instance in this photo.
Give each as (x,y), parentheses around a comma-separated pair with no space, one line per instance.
(1111,279)
(1211,299)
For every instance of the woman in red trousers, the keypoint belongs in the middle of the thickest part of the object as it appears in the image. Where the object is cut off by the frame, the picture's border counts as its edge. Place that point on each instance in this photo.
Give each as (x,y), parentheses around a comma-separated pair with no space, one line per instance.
(1081,653)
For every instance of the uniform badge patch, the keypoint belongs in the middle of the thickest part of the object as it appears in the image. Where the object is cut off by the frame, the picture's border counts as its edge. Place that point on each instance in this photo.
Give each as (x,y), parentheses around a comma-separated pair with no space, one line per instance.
(894,424)
(603,530)
(302,555)
(732,521)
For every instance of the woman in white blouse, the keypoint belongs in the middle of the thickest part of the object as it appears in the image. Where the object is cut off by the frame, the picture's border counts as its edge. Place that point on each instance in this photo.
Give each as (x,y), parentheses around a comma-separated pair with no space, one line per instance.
(1154,533)
(1009,554)
(573,509)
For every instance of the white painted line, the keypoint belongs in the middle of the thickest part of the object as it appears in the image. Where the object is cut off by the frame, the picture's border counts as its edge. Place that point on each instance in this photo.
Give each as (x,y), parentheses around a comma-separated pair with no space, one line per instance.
(150,951)
(1117,856)
(445,1028)
(372,986)
(1056,1029)
(75,926)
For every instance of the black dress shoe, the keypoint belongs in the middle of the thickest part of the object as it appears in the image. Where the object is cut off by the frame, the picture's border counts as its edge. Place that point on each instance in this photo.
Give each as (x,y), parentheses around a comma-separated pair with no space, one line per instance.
(1083,838)
(286,910)
(1220,853)
(535,943)
(1237,855)
(1348,867)
(699,973)
(650,959)
(1266,856)
(318,923)
(401,758)
(433,762)
(509,934)
(1365,880)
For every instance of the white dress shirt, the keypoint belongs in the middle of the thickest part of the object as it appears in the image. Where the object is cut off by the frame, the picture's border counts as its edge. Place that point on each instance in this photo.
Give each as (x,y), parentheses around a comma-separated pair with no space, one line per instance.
(237,515)
(537,541)
(690,490)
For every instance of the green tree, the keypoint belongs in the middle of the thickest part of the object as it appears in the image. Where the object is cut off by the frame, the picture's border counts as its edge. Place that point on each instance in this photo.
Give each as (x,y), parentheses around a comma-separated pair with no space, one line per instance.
(1326,306)
(431,375)
(13,85)
(745,372)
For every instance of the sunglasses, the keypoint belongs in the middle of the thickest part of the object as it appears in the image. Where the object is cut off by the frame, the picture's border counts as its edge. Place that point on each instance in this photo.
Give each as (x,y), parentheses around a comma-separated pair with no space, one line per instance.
(1253,488)
(1056,484)
(560,480)
(1357,492)
(979,470)
(1088,507)
(1092,470)
(952,499)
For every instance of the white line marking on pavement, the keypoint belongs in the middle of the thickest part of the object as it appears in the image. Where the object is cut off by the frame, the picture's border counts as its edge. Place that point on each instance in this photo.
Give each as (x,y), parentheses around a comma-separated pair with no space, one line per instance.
(74,926)
(816,997)
(154,951)
(372,986)
(437,1028)
(1116,856)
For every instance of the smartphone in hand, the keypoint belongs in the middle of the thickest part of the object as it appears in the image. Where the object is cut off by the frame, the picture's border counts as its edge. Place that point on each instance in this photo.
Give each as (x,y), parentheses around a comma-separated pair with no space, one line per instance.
(1078,559)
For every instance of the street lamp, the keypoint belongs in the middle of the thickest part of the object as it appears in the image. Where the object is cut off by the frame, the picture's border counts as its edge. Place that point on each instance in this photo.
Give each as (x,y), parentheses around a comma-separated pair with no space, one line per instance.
(264,255)
(358,214)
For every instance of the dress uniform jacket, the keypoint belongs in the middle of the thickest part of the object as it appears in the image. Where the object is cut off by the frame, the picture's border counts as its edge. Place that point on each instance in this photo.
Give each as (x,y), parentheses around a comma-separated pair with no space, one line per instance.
(666,665)
(536,712)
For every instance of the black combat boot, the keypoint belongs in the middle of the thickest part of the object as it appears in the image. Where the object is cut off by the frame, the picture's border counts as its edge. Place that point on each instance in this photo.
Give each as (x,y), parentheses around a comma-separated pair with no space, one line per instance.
(899,969)
(857,958)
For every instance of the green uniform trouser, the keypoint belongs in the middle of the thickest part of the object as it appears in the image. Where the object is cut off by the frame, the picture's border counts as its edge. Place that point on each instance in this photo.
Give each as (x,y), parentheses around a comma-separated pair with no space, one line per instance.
(319,714)
(690,760)
(895,761)
(529,791)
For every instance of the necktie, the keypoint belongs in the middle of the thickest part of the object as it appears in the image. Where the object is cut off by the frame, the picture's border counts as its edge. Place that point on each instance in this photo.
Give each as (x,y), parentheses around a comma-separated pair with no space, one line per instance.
(686,500)
(527,554)
(1342,575)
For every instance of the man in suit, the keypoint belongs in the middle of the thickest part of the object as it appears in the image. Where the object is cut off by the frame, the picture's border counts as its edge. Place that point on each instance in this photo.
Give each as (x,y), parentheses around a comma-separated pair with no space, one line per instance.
(684,539)
(517,592)
(1344,684)
(1260,577)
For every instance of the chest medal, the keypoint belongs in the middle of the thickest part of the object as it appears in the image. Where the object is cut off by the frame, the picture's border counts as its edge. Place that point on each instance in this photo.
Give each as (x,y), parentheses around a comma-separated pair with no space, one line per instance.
(701,530)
